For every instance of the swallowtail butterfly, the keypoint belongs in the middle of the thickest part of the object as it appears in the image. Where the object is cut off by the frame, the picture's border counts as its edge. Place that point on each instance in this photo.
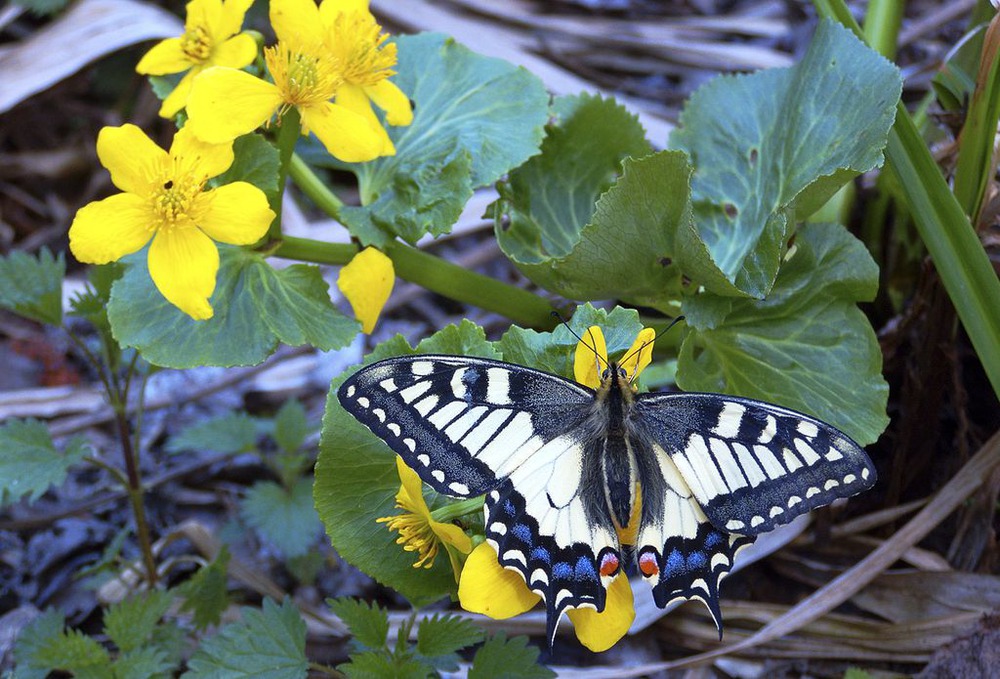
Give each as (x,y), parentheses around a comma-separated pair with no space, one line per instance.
(563,467)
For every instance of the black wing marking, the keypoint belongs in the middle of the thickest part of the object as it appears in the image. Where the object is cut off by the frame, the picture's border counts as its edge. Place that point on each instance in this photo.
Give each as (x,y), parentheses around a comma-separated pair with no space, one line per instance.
(463,424)
(753,466)
(548,524)
(680,553)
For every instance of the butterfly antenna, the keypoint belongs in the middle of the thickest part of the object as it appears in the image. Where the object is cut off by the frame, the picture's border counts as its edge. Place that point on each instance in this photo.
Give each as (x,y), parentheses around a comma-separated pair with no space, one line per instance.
(652,341)
(600,359)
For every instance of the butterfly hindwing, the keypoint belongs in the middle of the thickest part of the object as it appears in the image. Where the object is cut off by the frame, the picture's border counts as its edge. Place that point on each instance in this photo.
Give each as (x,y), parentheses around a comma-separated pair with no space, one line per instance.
(753,466)
(462,423)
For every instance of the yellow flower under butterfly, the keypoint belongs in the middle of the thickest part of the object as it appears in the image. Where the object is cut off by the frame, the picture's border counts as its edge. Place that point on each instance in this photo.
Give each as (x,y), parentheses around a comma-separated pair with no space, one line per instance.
(418,530)
(211,38)
(165,200)
(366,282)
(488,588)
(307,74)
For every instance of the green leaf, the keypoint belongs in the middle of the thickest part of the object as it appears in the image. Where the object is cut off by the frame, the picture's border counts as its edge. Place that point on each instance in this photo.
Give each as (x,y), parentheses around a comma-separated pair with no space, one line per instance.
(206,595)
(73,651)
(774,145)
(445,635)
(32,286)
(368,622)
(807,346)
(379,666)
(268,643)
(555,351)
(34,637)
(255,307)
(475,118)
(500,657)
(143,663)
(229,433)
(256,161)
(356,481)
(130,623)
(286,519)
(291,426)
(550,198)
(29,461)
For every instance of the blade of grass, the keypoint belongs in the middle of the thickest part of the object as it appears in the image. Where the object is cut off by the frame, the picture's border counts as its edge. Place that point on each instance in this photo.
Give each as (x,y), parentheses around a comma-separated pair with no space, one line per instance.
(945,229)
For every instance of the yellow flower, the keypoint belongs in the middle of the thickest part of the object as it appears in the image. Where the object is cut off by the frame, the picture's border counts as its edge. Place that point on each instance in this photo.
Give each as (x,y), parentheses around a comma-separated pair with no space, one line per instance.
(165,200)
(226,103)
(418,531)
(488,588)
(366,62)
(366,282)
(211,38)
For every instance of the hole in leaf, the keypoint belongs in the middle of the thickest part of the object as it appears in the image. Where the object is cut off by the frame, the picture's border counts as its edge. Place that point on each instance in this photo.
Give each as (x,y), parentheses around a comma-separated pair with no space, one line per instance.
(730,210)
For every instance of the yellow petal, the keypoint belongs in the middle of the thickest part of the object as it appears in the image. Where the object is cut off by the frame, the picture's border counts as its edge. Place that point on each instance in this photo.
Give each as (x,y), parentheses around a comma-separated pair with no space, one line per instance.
(165,57)
(198,158)
(452,535)
(392,100)
(590,357)
(487,587)
(231,20)
(345,134)
(412,488)
(205,15)
(183,263)
(131,157)
(225,103)
(236,52)
(331,9)
(601,631)
(297,22)
(237,214)
(366,282)
(109,229)
(353,97)
(639,354)
(177,99)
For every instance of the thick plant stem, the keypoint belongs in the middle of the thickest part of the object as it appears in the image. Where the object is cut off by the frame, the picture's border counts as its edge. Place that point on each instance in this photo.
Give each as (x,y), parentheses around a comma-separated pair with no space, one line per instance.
(288,133)
(437,275)
(135,493)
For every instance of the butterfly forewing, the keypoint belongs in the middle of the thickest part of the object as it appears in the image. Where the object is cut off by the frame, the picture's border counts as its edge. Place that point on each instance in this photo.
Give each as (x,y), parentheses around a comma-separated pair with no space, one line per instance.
(752,465)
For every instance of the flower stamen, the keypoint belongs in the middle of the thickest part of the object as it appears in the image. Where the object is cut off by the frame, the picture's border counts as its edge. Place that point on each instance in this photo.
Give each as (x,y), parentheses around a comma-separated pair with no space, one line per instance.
(359,45)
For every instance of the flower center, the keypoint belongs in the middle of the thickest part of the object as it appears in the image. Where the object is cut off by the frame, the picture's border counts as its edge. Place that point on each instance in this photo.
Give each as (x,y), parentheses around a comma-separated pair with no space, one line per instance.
(302,78)
(173,198)
(196,43)
(358,42)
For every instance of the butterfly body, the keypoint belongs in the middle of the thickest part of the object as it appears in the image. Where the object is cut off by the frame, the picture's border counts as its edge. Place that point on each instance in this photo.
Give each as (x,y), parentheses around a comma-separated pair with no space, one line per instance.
(686,479)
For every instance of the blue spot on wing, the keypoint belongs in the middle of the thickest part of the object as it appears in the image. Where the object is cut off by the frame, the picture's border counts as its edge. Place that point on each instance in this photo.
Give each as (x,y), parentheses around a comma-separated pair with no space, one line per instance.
(541,554)
(562,570)
(522,533)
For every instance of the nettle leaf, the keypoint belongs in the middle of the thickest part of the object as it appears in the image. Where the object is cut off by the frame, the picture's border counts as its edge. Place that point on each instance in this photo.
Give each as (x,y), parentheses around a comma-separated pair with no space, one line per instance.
(807,346)
(285,519)
(554,351)
(445,635)
(35,636)
(500,657)
(372,665)
(29,461)
(368,622)
(291,426)
(256,306)
(32,286)
(229,433)
(357,482)
(255,161)
(773,146)
(550,198)
(206,595)
(269,642)
(148,662)
(73,651)
(475,118)
(130,623)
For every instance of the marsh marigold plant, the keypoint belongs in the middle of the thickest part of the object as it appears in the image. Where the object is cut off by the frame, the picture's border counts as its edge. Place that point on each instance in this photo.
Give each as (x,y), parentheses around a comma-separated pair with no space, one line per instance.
(324,54)
(211,37)
(165,202)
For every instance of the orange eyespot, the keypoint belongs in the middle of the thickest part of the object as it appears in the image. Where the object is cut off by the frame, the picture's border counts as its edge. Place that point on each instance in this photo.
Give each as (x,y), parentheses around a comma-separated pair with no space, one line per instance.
(648,565)
(609,564)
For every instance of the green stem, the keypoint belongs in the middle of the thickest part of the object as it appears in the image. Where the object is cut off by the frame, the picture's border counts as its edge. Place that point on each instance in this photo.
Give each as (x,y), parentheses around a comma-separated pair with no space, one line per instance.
(882,21)
(135,492)
(311,185)
(454,510)
(289,132)
(437,275)
(958,255)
